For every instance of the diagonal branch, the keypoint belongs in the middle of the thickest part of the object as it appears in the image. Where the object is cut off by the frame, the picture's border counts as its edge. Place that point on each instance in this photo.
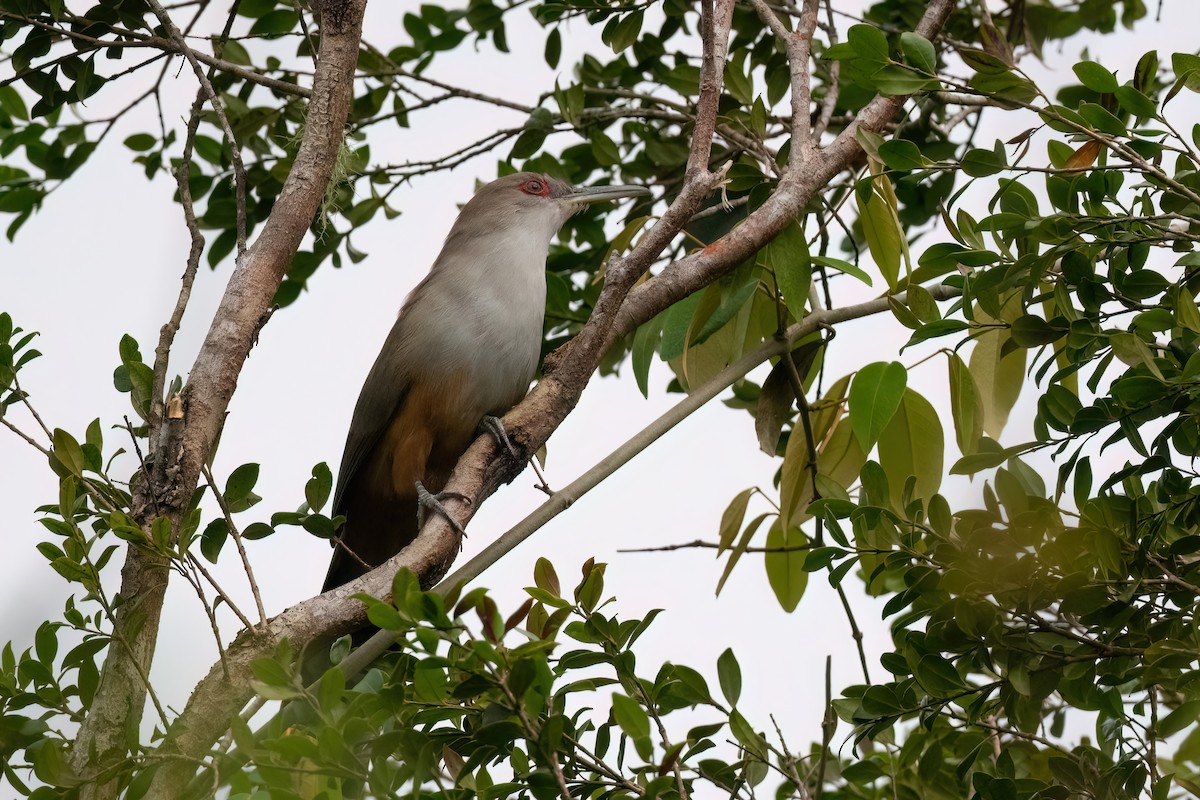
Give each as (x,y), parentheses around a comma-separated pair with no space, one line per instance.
(702,267)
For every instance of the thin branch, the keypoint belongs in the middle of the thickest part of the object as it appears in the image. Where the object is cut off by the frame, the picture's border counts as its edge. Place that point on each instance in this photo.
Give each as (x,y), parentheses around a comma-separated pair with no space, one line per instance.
(241,548)
(141,40)
(701,267)
(235,150)
(802,407)
(455,90)
(799,51)
(166,335)
(828,727)
(700,544)
(193,579)
(833,85)
(855,633)
(29,407)
(28,439)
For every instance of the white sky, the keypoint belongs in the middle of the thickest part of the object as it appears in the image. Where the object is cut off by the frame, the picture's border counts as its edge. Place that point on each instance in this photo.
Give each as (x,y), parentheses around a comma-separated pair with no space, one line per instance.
(104,257)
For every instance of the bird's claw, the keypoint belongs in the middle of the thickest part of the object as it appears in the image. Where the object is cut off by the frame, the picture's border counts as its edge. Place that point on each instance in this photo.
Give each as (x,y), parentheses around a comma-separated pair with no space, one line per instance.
(495,427)
(427,501)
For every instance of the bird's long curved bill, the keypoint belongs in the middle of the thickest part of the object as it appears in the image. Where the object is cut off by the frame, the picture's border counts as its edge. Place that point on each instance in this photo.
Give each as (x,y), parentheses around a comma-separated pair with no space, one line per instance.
(586,195)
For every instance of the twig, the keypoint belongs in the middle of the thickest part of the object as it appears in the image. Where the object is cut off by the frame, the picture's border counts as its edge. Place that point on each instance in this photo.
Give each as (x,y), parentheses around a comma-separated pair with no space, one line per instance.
(237,540)
(141,40)
(209,611)
(855,633)
(700,544)
(166,334)
(29,407)
(137,450)
(789,761)
(828,726)
(235,152)
(195,562)
(28,439)
(805,412)
(799,51)
(833,85)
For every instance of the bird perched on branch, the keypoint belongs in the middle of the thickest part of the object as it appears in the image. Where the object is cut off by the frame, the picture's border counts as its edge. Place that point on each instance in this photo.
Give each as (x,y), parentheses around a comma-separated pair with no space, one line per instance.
(464,348)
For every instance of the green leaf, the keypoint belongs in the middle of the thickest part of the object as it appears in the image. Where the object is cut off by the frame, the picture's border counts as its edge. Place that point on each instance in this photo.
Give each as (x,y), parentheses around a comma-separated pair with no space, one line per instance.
(881,228)
(1136,103)
(1187,315)
(631,717)
(625,32)
(784,561)
(875,394)
(913,445)
(275,23)
(842,266)
(553,48)
(213,539)
(729,673)
(980,163)
(736,81)
(918,52)
(731,520)
(645,342)
(738,550)
(999,372)
(67,452)
(1095,77)
(938,675)
(1031,331)
(901,155)
(240,484)
(1133,352)
(747,737)
(787,257)
(921,303)
(140,142)
(545,578)
(966,407)
(316,491)
(676,321)
(272,681)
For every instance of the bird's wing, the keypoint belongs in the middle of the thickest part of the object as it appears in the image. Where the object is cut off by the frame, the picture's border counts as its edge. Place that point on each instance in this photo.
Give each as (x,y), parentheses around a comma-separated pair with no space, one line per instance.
(382,394)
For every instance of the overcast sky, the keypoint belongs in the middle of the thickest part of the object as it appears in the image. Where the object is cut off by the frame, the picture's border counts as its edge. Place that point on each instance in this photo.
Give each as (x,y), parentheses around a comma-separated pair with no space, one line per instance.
(104,257)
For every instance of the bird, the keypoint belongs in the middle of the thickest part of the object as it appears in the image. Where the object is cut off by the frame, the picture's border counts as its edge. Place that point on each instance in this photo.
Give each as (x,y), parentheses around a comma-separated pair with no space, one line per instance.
(464,348)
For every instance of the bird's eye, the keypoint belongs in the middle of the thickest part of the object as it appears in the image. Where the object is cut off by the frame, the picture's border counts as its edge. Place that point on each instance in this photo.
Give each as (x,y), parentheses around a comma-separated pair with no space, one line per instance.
(535,186)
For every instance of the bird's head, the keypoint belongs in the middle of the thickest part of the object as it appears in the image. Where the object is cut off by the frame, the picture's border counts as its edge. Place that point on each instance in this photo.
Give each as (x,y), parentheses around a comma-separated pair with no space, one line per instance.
(537,201)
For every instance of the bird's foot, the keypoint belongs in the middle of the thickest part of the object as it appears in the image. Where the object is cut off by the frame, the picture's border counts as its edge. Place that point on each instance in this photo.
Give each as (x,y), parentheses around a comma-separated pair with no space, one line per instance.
(495,427)
(427,501)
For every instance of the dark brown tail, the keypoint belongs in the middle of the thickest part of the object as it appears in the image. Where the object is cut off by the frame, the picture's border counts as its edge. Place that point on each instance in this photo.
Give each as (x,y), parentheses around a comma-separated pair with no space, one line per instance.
(374,532)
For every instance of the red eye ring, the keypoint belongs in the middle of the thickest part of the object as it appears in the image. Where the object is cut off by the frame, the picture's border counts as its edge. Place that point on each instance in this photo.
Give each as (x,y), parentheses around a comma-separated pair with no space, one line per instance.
(537,187)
